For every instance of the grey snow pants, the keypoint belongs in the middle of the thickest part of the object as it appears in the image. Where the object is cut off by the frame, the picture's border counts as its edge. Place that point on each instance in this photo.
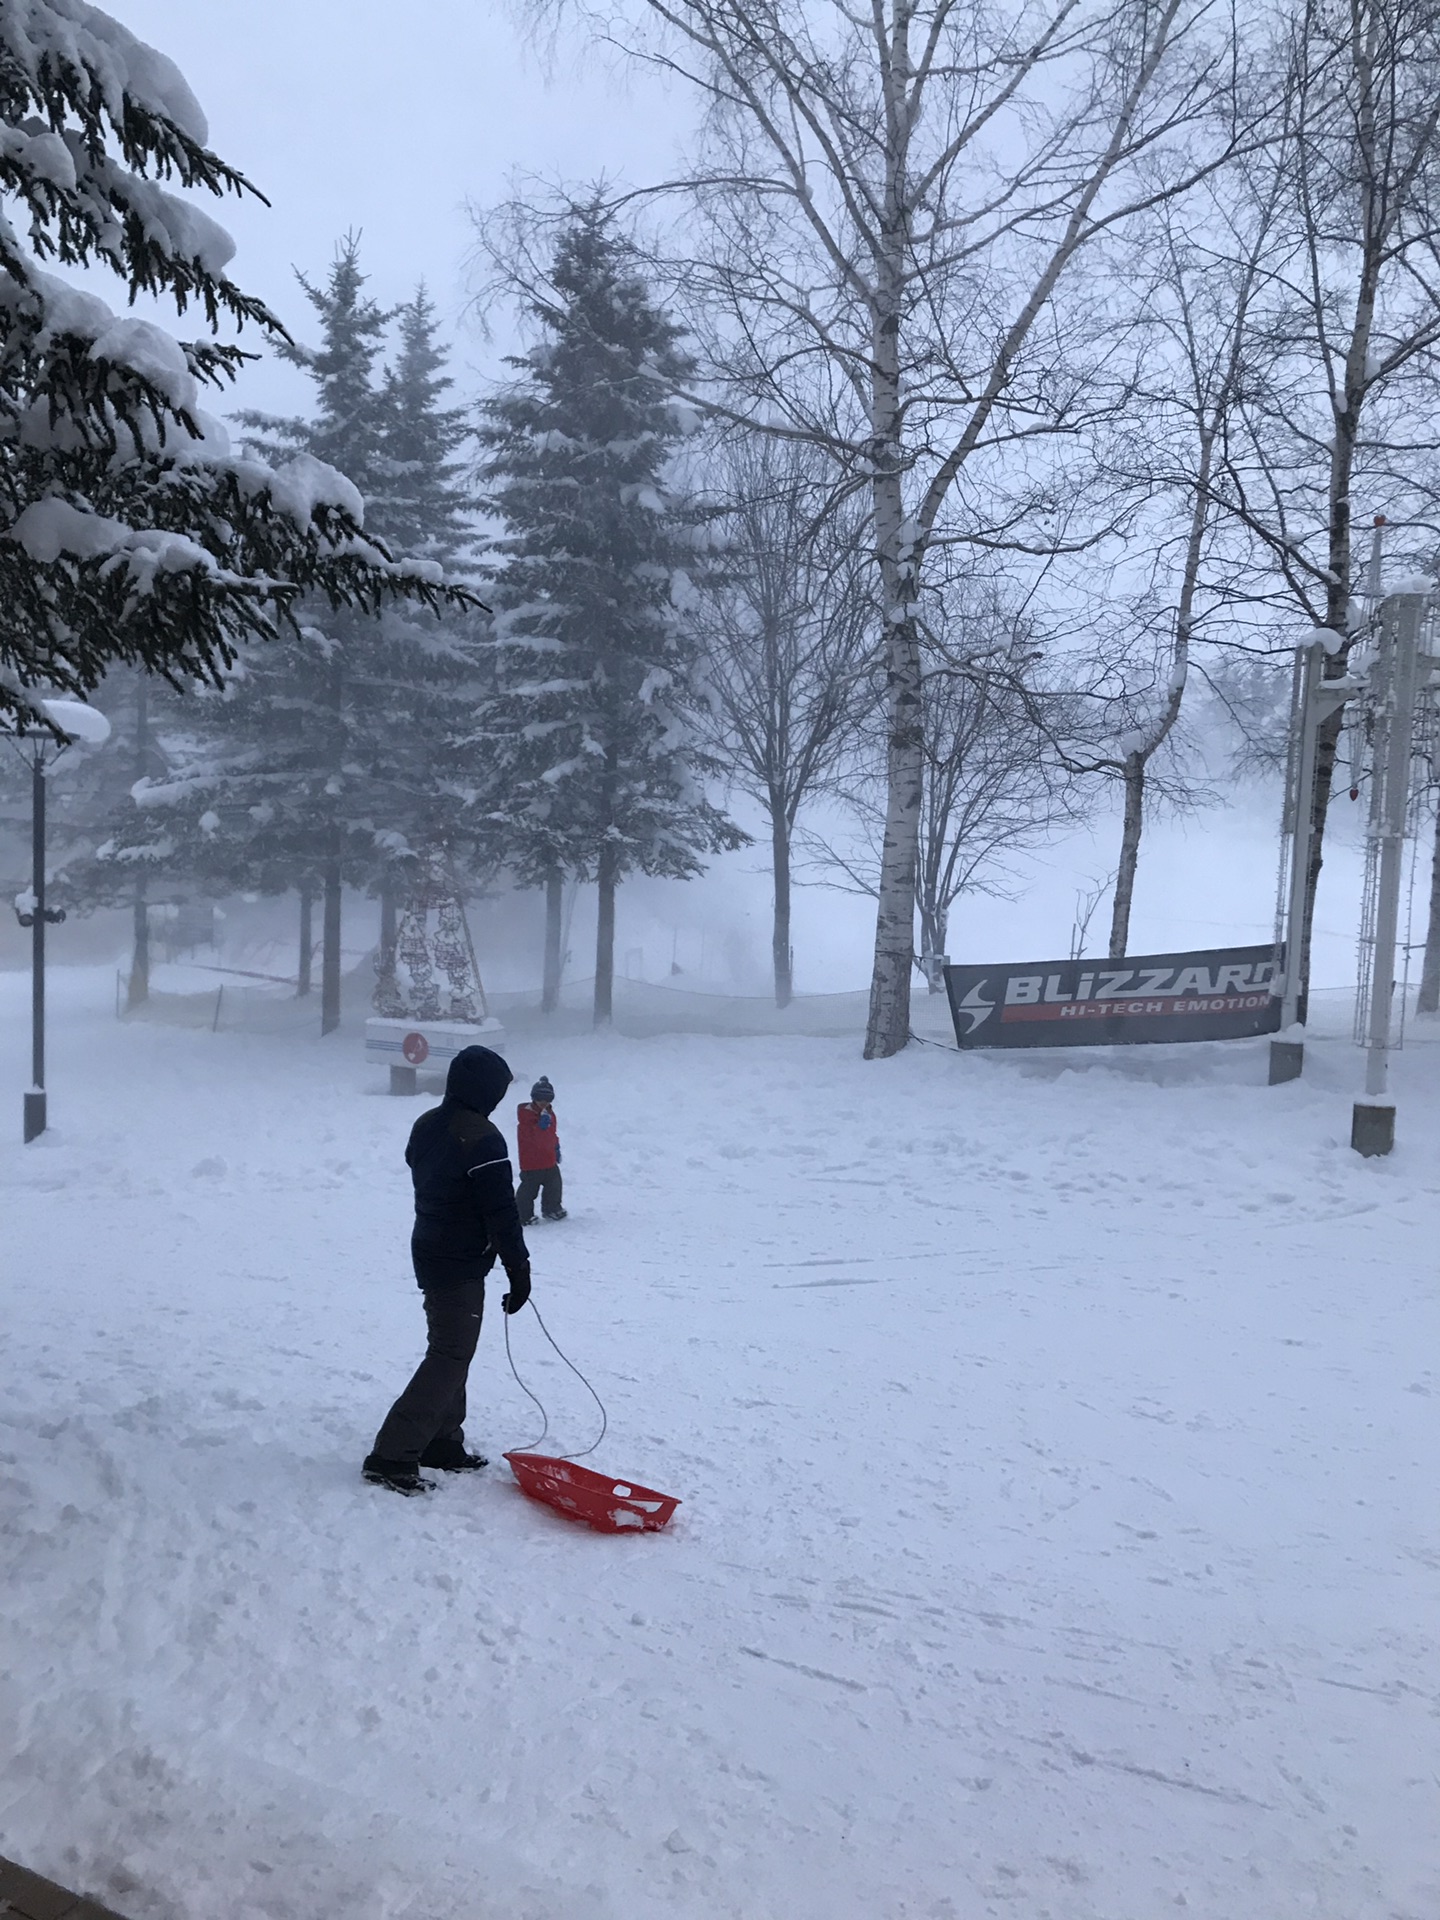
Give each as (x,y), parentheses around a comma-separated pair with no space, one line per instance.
(432,1407)
(545,1181)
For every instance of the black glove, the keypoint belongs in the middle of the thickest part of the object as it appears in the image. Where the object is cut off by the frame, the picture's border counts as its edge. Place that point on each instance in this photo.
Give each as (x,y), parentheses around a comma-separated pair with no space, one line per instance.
(519,1293)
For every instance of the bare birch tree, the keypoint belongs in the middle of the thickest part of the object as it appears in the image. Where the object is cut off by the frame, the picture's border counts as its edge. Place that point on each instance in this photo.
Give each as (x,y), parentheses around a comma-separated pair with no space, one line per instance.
(1207,261)
(889,198)
(991,785)
(990,791)
(1337,413)
(788,633)
(1113,723)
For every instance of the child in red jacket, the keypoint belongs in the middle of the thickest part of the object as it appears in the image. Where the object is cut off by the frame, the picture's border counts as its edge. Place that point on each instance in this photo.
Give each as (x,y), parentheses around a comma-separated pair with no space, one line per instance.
(539,1141)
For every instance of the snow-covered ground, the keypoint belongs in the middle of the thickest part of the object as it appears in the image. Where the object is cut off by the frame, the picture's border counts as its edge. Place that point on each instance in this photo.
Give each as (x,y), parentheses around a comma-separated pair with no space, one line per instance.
(1057,1439)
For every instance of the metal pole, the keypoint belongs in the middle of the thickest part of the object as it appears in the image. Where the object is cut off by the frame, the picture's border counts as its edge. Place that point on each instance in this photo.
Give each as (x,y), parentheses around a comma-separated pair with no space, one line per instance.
(35,1098)
(1373,1127)
(1377,554)
(46,746)
(1303,835)
(1287,1050)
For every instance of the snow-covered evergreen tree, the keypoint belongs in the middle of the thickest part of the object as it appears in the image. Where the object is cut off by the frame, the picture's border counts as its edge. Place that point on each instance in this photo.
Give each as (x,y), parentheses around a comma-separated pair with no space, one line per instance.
(331,758)
(294,716)
(593,577)
(128,529)
(424,505)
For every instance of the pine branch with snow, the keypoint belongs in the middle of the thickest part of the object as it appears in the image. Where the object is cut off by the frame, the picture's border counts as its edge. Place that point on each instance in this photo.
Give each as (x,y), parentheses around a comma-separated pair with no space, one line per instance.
(129,528)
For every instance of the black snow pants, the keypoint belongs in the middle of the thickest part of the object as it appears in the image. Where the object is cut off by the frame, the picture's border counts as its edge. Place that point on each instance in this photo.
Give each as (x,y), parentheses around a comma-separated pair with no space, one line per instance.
(431,1410)
(548,1184)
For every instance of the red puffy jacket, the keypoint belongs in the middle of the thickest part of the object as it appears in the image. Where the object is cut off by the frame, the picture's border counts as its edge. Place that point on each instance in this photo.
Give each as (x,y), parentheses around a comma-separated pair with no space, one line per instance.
(538,1137)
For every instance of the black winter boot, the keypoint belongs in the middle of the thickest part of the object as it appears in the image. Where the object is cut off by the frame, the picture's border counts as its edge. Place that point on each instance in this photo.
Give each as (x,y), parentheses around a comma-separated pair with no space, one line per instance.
(450,1456)
(401,1476)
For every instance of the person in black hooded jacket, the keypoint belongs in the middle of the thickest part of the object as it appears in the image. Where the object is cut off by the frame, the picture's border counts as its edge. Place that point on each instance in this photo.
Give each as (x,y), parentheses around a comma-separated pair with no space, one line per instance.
(465,1219)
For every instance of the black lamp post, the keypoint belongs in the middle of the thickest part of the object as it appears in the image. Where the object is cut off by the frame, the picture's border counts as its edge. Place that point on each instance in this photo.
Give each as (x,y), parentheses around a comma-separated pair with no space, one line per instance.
(40,749)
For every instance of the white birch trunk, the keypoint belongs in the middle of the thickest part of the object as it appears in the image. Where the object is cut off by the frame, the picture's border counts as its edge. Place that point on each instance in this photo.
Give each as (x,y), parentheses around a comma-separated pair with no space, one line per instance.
(888,1027)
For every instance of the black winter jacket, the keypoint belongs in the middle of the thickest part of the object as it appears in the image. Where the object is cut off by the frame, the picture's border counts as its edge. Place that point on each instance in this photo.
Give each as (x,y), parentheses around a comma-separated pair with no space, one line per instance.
(465,1212)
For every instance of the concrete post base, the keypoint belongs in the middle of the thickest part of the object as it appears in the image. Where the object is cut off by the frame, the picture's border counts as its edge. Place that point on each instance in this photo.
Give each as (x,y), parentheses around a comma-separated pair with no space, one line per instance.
(402,1080)
(1287,1061)
(34,1116)
(1372,1129)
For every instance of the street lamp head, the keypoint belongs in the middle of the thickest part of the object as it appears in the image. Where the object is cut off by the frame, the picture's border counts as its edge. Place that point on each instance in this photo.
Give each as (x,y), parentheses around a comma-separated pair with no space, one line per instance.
(26,905)
(71,723)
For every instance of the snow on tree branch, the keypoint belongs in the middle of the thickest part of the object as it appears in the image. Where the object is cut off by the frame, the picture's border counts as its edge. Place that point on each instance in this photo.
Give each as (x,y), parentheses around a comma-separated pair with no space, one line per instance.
(129,530)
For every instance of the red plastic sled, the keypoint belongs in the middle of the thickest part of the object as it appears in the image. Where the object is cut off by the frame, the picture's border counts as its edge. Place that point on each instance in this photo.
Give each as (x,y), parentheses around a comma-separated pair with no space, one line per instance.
(598,1499)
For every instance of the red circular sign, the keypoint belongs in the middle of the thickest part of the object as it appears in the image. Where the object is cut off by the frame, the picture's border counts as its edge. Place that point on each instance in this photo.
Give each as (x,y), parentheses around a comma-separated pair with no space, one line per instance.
(416,1048)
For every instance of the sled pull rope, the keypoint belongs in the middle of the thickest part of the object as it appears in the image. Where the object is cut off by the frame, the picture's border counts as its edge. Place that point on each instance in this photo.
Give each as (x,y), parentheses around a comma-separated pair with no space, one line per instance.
(533,1444)
(604,1417)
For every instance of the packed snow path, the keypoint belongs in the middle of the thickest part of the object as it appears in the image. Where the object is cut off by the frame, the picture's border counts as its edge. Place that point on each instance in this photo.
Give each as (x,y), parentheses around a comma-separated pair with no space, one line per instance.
(1057,1441)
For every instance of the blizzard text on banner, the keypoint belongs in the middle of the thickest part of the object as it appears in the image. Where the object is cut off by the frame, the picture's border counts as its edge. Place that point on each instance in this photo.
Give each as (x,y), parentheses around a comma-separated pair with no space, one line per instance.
(1224,993)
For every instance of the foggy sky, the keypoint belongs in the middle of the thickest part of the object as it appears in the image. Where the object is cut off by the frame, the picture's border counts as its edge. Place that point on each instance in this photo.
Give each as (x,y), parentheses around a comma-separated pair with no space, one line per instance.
(387,117)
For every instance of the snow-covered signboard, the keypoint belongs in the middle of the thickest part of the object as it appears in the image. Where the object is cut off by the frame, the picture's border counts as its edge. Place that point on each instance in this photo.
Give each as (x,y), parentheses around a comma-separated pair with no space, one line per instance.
(424,1046)
(1222,993)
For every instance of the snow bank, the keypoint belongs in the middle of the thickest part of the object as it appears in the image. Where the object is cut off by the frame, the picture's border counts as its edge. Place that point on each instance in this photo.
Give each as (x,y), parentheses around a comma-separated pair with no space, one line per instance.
(1056,1439)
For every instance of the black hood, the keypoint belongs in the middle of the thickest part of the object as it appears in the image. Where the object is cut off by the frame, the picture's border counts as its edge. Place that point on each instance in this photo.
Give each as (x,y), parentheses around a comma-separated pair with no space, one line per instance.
(477,1078)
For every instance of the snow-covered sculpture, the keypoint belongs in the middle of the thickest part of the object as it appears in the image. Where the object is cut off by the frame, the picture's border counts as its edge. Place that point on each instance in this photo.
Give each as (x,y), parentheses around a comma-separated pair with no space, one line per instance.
(430,972)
